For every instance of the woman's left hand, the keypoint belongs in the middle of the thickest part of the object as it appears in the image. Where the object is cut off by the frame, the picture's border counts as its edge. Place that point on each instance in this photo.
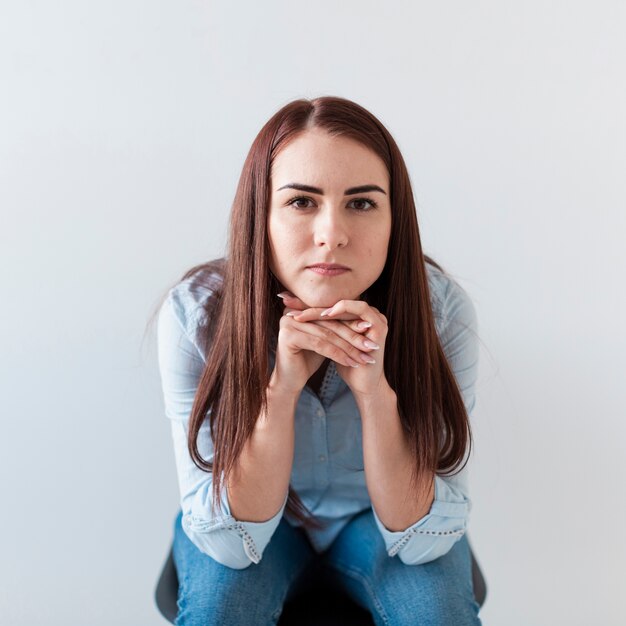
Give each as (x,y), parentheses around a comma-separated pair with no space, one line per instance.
(344,319)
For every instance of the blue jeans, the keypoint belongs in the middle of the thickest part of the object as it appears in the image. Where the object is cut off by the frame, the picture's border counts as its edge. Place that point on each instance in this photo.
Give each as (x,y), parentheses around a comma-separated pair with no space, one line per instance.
(438,593)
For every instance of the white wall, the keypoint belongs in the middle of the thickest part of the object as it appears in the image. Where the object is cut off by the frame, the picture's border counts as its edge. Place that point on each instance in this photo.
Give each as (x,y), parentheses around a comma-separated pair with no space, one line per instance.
(123,129)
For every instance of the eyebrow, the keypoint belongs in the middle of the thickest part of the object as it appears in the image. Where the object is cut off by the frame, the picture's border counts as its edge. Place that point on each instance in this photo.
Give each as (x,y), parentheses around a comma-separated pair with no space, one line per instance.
(347,192)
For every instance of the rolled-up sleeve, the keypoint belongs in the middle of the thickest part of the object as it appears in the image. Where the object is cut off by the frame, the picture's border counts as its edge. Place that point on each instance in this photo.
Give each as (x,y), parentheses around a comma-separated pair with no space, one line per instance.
(231,542)
(434,534)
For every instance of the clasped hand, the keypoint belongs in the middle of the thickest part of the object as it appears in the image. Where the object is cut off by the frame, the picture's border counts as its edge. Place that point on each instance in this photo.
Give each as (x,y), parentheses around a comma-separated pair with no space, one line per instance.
(351,333)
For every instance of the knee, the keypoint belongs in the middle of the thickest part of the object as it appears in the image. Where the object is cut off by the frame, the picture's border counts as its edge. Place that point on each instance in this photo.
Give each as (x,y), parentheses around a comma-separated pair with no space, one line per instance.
(445,607)
(227,600)
(454,609)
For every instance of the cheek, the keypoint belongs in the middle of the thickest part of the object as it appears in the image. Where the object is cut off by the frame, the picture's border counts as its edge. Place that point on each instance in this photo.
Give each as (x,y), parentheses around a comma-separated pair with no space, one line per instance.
(382,243)
(285,245)
(375,245)
(375,251)
(276,246)
(286,238)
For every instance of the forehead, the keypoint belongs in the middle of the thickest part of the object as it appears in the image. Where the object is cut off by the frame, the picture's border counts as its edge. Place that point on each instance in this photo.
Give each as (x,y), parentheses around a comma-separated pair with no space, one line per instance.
(316,157)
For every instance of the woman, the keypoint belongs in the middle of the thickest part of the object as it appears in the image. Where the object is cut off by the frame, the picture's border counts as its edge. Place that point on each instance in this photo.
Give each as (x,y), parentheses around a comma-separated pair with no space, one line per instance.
(319,381)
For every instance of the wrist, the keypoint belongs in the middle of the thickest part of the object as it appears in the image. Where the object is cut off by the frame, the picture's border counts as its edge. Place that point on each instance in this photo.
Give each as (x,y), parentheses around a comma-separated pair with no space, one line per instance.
(382,395)
(280,393)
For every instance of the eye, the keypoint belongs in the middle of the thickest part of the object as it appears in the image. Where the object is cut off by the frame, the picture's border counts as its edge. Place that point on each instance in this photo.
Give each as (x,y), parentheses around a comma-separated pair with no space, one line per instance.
(298,199)
(361,209)
(372,204)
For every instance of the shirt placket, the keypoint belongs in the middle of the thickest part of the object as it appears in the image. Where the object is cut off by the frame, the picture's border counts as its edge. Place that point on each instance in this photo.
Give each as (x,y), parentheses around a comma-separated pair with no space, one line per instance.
(320,407)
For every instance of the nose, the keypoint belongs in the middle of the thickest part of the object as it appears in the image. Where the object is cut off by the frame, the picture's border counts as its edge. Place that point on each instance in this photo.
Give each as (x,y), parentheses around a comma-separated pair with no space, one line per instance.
(330,229)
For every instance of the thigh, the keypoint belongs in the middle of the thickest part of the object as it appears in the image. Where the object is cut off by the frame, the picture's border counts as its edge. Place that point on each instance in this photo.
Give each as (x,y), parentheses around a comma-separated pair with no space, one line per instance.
(211,593)
(437,593)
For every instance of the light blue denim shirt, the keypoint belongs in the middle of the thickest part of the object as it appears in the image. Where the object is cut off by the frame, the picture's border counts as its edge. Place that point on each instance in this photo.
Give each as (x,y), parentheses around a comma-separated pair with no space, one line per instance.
(328,451)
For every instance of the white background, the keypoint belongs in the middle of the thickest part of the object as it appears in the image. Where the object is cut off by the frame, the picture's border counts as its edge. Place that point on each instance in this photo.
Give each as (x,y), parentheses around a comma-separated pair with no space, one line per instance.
(123,130)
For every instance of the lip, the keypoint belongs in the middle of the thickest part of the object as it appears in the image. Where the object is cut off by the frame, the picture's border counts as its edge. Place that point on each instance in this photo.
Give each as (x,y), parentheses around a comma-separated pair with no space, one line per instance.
(329,266)
(328,270)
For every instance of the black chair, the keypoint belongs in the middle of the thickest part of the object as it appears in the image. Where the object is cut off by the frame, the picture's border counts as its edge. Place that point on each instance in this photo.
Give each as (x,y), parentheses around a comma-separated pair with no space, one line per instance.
(320,604)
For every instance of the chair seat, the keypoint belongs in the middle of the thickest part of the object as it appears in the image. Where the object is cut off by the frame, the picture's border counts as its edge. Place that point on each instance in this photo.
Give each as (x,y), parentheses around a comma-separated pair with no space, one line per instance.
(324,604)
(320,605)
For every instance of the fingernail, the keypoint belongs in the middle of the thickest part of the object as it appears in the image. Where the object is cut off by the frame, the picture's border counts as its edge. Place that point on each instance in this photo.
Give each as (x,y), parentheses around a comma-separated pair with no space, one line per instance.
(370,344)
(362,325)
(327,311)
(282,294)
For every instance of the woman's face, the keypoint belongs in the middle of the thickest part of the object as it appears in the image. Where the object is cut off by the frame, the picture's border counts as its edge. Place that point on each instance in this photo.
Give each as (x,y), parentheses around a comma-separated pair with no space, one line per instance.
(317,215)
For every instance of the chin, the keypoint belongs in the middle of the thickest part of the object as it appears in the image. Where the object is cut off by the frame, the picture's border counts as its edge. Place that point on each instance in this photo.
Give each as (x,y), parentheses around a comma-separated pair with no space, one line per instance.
(314,298)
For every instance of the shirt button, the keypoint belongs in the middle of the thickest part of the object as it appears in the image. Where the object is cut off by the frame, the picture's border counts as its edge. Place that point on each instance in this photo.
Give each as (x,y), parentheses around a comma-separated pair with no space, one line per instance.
(322,457)
(320,412)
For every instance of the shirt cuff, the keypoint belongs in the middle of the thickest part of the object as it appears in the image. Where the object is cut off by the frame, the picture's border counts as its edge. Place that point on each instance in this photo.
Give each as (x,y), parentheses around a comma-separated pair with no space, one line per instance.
(254,535)
(434,534)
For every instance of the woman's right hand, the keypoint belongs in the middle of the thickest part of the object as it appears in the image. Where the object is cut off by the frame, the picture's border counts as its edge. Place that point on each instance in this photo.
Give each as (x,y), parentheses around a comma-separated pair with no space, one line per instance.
(303,346)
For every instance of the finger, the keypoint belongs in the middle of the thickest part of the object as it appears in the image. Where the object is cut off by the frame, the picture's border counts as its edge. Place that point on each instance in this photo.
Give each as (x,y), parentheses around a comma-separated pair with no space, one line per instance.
(356,325)
(293,312)
(292,301)
(315,313)
(296,337)
(359,326)
(328,343)
(369,320)
(356,308)
(293,306)
(357,339)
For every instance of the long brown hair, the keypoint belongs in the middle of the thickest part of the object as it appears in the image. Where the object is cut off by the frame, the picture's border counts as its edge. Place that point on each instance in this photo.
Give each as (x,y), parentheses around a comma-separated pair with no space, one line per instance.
(244,311)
